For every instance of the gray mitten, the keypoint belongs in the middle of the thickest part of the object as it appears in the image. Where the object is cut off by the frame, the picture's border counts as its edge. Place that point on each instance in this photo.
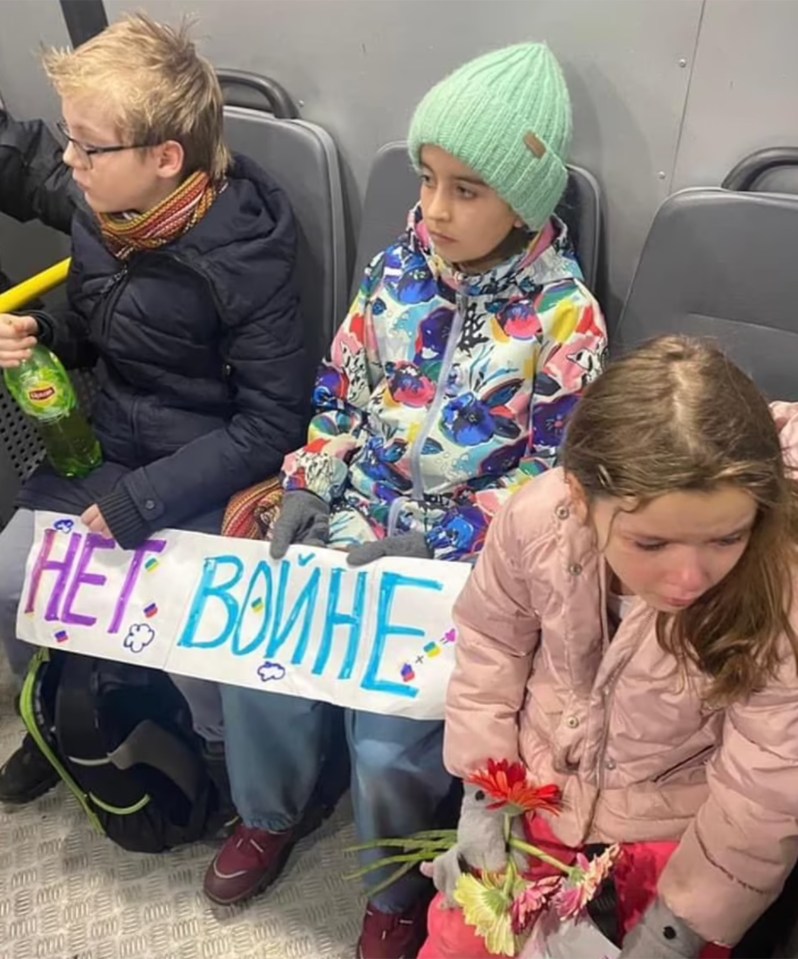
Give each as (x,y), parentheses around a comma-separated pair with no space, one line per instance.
(480,844)
(304,519)
(661,935)
(405,544)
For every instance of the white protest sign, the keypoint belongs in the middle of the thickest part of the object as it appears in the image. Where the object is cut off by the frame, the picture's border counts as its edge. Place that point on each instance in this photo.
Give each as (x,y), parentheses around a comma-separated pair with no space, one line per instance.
(379,638)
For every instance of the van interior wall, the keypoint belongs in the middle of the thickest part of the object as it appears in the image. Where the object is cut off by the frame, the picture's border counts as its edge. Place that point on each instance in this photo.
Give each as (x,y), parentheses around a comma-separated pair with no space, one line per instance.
(666,93)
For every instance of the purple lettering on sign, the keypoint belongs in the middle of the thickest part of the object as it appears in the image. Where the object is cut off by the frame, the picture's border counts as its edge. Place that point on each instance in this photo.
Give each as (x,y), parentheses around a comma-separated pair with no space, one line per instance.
(44,564)
(93,541)
(151,546)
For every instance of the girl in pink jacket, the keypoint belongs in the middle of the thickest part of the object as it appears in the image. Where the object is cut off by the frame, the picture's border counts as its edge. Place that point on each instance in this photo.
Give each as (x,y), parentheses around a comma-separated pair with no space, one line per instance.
(629,634)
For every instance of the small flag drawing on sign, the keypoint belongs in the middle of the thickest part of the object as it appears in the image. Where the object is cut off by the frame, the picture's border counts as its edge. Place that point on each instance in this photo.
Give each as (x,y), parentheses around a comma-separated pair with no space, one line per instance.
(150,611)
(432,650)
(61,636)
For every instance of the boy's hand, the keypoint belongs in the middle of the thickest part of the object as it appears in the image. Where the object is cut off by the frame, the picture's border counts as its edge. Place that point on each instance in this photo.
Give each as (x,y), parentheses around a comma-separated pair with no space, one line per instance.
(95,520)
(17,339)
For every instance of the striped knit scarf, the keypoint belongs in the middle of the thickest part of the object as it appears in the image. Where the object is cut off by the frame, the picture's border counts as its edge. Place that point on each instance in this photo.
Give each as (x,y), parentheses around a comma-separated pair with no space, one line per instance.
(179,212)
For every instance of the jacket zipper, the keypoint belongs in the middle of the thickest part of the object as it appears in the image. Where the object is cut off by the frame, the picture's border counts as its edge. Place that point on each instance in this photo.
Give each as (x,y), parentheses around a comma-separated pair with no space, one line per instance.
(432,413)
(112,291)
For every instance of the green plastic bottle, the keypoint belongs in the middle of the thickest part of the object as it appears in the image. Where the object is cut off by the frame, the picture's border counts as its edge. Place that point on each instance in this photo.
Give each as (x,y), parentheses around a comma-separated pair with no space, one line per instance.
(42,388)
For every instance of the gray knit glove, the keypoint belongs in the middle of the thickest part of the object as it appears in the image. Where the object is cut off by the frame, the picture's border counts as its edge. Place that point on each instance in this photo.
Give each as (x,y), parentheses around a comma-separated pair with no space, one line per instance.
(304,519)
(480,844)
(405,544)
(661,935)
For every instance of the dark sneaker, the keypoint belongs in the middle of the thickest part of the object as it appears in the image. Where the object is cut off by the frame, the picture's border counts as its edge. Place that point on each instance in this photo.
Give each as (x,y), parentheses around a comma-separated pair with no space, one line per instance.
(393,935)
(26,775)
(252,859)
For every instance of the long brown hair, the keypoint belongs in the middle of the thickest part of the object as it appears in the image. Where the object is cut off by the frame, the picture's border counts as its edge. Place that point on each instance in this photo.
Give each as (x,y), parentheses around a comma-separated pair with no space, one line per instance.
(677,414)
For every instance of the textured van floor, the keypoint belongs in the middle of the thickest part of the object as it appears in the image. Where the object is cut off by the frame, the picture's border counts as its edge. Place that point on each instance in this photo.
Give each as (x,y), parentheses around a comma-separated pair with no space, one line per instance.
(67,893)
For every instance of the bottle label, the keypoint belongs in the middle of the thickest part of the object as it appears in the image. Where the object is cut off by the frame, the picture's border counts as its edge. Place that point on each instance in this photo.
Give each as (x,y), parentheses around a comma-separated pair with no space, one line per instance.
(46,396)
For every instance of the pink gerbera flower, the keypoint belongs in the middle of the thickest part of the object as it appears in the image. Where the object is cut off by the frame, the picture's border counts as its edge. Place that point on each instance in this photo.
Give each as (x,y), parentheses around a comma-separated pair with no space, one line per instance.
(584,882)
(526,907)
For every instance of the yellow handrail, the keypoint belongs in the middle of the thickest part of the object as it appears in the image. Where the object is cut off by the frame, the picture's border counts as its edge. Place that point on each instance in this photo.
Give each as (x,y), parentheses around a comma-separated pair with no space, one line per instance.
(21,294)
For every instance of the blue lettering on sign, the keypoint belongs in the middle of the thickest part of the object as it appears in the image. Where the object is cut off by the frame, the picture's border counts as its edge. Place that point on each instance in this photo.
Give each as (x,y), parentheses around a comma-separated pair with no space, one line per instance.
(389,584)
(306,601)
(208,589)
(334,618)
(262,604)
(263,611)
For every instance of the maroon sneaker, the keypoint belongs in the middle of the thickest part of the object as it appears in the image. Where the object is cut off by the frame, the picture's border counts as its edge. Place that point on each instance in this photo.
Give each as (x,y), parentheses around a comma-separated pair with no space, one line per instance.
(393,935)
(252,859)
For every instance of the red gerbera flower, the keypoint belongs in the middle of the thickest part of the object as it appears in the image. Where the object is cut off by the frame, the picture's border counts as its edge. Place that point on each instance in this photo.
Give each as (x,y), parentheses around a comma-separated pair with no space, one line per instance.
(508,784)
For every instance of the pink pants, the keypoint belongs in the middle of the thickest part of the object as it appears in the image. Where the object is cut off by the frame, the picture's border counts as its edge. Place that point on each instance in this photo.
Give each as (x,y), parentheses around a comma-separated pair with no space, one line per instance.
(635,874)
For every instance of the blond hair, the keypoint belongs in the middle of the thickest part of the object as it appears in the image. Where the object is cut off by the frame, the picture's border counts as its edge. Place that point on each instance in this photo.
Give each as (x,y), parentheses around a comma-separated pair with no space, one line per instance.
(155,86)
(675,415)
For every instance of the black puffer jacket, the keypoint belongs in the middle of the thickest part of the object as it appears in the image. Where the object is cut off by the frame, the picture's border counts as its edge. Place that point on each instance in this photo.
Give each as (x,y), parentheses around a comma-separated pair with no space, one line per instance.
(199,357)
(34,183)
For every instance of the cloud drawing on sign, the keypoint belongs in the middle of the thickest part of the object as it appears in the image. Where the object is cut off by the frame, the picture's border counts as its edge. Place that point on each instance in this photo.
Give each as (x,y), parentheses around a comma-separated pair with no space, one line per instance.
(139,637)
(64,525)
(269,671)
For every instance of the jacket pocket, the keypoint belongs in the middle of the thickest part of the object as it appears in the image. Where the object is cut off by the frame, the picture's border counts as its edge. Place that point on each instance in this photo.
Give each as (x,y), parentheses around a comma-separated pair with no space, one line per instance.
(699,758)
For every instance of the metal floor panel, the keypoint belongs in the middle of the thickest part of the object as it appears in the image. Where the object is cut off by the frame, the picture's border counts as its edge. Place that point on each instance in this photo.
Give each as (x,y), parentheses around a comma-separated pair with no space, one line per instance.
(67,893)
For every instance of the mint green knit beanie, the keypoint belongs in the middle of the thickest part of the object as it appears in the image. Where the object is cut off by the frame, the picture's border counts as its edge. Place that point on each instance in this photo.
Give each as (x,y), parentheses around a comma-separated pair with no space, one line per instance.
(507,115)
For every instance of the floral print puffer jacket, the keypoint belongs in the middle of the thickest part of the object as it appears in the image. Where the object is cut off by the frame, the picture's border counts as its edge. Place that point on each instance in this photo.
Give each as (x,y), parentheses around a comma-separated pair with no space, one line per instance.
(444,392)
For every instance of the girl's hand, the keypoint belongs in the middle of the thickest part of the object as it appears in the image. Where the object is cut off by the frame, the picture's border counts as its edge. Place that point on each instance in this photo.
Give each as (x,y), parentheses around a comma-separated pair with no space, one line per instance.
(661,935)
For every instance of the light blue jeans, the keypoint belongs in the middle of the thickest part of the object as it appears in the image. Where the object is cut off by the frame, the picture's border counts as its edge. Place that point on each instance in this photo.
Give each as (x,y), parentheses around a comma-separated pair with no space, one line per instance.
(279,746)
(16,540)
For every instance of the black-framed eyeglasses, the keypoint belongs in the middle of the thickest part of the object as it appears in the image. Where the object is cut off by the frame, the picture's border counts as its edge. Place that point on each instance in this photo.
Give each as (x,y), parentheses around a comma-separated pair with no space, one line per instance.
(86,152)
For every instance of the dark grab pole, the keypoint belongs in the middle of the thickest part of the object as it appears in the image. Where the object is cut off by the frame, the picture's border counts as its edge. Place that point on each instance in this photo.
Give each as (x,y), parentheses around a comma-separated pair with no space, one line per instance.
(84,19)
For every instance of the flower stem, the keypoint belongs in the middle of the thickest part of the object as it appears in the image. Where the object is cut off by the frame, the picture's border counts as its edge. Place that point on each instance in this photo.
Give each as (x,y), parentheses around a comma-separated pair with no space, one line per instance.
(509,877)
(531,850)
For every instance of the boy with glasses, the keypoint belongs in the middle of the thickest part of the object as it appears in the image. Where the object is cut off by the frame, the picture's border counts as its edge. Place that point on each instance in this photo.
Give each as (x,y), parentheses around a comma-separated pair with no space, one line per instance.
(182,297)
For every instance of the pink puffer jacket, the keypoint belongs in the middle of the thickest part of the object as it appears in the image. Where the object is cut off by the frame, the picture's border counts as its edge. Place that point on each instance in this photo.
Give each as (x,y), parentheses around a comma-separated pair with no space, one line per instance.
(624,734)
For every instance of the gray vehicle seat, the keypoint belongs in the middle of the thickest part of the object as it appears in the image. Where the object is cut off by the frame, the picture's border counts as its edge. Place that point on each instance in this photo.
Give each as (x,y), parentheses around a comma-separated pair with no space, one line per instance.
(261,121)
(721,264)
(393,189)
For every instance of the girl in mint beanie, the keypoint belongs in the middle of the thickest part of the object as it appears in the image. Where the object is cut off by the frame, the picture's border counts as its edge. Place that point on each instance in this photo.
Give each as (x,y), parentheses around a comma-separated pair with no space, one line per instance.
(507,117)
(446,388)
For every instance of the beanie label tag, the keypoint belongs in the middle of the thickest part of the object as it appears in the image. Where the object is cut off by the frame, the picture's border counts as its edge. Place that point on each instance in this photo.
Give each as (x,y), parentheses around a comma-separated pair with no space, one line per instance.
(535,145)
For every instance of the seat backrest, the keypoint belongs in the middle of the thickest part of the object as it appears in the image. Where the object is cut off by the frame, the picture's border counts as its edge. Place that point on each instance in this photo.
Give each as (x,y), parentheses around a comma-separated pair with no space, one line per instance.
(722,264)
(301,157)
(393,189)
